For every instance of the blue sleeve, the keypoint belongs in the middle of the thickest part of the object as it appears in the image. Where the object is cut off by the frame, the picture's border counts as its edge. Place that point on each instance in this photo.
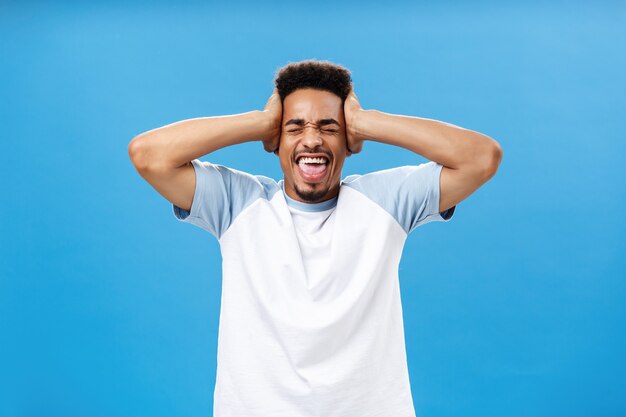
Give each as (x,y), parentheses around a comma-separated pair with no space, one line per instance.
(221,194)
(409,193)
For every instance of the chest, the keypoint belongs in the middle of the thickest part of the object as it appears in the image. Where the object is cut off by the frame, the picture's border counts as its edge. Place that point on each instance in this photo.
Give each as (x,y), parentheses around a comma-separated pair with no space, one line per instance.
(314,232)
(313,253)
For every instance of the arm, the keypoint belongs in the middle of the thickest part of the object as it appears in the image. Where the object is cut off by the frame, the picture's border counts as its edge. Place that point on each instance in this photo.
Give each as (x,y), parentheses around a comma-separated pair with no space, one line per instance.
(469,158)
(163,156)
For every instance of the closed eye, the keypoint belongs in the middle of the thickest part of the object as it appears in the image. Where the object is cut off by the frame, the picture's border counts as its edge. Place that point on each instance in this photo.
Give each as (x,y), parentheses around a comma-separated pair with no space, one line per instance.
(323,130)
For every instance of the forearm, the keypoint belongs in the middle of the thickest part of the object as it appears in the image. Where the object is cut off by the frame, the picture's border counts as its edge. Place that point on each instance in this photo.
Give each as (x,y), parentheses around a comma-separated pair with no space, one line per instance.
(176,144)
(447,144)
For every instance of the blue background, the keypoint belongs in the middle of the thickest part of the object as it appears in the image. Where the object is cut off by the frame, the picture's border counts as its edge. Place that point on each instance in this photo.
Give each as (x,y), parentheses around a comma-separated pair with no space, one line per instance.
(110,307)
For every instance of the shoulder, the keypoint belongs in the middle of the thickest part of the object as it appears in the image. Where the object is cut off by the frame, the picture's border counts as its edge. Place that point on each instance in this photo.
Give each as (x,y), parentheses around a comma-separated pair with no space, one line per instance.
(222,194)
(392,176)
(235,181)
(409,193)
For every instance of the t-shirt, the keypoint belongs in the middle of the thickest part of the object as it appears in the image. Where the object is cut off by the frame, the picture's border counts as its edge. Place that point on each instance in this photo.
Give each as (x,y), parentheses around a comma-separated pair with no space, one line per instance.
(311,318)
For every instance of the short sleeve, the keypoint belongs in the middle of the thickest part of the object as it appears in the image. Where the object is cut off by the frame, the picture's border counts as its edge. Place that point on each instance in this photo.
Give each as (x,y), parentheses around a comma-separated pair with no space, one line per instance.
(221,194)
(409,193)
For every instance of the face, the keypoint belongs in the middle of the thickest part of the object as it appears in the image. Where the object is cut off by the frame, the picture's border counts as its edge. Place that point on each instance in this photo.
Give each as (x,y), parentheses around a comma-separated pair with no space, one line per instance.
(312,144)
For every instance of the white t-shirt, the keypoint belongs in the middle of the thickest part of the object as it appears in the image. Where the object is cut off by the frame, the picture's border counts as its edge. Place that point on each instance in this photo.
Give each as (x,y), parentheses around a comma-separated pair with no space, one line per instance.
(311,318)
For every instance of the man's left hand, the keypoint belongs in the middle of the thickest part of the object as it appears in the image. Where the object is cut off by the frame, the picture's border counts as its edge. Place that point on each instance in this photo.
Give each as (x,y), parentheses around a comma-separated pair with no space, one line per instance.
(353,112)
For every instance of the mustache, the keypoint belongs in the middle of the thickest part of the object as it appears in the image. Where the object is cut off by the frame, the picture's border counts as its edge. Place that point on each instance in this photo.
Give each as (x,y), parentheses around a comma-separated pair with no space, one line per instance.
(317,149)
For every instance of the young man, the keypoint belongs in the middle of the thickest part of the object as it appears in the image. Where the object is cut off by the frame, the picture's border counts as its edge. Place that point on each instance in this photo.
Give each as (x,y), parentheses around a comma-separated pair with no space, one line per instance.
(311,320)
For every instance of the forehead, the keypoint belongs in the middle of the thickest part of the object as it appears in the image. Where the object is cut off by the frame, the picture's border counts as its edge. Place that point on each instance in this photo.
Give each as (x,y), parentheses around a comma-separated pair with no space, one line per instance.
(308,103)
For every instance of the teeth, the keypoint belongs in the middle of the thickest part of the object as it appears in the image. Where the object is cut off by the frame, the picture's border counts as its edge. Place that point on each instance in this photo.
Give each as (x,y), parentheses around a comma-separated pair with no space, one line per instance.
(309,160)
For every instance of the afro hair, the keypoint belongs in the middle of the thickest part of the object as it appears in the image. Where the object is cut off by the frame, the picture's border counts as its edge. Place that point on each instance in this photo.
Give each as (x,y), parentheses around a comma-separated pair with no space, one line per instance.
(313,73)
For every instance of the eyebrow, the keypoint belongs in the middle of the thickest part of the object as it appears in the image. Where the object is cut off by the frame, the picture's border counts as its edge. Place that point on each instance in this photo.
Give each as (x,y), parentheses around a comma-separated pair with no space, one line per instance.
(321,122)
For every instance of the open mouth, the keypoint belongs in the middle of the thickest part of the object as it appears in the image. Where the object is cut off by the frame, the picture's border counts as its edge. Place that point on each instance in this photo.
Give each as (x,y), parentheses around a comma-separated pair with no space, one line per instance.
(312,168)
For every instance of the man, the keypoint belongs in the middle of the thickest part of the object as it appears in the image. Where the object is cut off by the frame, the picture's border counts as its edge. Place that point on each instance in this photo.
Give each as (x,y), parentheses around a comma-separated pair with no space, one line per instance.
(311,320)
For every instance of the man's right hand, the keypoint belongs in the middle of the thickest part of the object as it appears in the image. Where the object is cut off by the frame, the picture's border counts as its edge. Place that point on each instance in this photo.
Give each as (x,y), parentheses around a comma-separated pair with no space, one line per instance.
(274,113)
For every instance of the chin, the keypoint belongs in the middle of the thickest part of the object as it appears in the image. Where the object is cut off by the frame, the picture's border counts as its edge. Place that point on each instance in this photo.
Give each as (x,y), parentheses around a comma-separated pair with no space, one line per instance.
(311,195)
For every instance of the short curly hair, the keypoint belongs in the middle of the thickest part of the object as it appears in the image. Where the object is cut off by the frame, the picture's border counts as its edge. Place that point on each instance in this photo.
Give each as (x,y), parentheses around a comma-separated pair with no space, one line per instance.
(313,73)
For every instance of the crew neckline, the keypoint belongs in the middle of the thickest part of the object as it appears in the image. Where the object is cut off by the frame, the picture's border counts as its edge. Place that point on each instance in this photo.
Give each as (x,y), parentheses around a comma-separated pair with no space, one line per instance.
(310,207)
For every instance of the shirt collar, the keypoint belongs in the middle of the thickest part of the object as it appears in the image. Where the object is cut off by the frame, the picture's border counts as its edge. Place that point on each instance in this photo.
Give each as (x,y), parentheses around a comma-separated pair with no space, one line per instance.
(311,207)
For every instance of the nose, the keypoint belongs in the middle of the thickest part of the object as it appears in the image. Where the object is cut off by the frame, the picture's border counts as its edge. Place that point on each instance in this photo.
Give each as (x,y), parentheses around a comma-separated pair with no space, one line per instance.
(312,136)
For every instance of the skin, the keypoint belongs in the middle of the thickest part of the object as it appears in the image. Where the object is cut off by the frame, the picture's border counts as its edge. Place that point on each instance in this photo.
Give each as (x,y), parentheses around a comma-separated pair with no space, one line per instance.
(313,124)
(469,158)
(162,156)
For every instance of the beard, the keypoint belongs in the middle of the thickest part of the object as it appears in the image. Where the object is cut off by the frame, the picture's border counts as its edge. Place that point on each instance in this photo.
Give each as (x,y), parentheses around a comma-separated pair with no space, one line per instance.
(312,196)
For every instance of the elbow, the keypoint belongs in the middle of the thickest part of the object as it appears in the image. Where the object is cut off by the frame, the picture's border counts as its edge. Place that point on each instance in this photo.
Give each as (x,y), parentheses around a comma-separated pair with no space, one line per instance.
(146,154)
(489,159)
(493,158)
(139,153)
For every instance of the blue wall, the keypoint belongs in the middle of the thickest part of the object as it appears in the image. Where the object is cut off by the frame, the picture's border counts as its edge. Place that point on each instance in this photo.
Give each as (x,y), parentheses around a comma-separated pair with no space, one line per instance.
(109,306)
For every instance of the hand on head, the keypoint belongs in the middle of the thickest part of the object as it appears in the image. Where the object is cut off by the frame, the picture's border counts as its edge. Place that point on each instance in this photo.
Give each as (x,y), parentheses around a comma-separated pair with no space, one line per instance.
(274,111)
(352,111)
